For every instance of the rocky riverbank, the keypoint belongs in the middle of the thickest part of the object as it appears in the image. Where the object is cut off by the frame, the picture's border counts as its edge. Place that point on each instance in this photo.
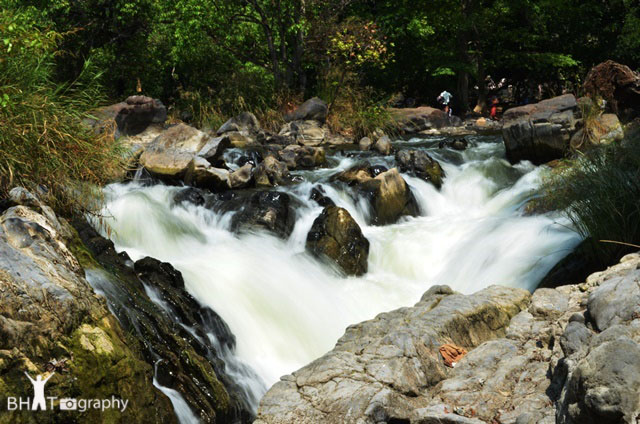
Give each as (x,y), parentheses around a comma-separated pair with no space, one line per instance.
(119,343)
(564,355)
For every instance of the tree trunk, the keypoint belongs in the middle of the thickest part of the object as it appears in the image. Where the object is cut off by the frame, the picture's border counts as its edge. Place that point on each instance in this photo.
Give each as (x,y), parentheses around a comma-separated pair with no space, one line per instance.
(298,51)
(482,85)
(463,91)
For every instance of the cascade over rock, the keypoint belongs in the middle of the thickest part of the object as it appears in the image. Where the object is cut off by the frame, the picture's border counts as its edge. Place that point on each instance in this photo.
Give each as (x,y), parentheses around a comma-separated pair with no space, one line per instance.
(387,192)
(420,164)
(389,369)
(175,336)
(336,235)
(51,320)
(266,210)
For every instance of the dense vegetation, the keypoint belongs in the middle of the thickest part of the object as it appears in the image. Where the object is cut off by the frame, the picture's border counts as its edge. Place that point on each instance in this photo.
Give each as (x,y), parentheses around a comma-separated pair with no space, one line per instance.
(232,54)
(600,192)
(42,138)
(209,59)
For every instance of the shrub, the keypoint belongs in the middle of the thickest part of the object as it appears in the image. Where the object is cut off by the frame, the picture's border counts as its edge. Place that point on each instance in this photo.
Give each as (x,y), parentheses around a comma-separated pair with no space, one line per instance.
(42,136)
(600,193)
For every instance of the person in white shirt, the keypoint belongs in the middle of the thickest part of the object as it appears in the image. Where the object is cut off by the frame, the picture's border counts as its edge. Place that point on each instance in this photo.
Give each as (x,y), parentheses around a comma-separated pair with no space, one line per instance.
(445,99)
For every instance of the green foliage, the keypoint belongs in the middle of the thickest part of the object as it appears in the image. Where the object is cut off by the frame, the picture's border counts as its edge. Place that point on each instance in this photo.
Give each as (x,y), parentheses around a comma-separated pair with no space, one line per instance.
(600,193)
(42,137)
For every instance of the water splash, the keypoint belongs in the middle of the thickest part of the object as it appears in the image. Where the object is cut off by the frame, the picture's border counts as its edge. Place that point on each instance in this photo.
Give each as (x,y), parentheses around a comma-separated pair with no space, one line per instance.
(286,308)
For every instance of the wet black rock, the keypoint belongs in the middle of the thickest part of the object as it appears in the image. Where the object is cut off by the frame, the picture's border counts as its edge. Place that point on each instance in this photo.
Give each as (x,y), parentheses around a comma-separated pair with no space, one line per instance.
(337,237)
(187,361)
(190,195)
(320,197)
(456,144)
(420,164)
(266,210)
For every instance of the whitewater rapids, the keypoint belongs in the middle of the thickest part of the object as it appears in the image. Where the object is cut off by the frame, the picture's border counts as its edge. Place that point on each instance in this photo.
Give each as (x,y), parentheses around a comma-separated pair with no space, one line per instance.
(286,308)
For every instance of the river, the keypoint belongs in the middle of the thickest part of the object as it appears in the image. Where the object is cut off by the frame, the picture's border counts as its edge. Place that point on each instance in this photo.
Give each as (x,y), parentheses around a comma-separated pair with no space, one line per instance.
(286,308)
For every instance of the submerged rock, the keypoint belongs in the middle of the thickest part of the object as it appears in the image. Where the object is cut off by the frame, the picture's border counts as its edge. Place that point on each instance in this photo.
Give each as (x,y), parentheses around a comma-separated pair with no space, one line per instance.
(420,164)
(266,210)
(335,235)
(320,197)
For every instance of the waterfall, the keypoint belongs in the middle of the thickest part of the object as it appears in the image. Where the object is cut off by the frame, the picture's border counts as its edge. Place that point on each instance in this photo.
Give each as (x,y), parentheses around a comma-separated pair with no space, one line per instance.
(286,308)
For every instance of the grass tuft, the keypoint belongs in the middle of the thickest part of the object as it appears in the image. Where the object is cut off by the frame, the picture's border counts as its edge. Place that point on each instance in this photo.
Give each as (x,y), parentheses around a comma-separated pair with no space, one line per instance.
(43,139)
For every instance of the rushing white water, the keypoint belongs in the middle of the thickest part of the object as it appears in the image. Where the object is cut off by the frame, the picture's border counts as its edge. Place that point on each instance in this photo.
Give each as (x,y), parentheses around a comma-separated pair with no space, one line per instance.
(286,308)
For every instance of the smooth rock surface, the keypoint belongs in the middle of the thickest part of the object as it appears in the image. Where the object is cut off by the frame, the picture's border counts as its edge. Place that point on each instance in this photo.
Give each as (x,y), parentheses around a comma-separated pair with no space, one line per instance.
(569,355)
(171,152)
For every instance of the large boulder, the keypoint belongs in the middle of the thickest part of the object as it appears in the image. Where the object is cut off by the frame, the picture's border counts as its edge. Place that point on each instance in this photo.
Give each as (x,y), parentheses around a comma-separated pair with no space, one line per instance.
(306,133)
(266,210)
(130,117)
(567,355)
(139,113)
(302,157)
(420,164)
(245,123)
(387,192)
(313,109)
(336,236)
(383,370)
(618,85)
(170,154)
(52,324)
(540,132)
(415,120)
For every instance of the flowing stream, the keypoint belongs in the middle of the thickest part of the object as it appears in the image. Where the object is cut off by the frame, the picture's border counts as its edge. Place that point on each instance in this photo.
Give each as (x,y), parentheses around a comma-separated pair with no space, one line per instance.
(286,308)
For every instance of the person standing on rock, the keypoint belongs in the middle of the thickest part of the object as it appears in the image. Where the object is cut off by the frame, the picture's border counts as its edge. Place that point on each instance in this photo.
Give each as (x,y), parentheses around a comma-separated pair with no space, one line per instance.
(445,99)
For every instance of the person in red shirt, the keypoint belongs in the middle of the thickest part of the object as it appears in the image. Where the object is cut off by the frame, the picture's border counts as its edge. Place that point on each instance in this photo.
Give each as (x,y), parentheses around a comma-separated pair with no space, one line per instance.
(494,108)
